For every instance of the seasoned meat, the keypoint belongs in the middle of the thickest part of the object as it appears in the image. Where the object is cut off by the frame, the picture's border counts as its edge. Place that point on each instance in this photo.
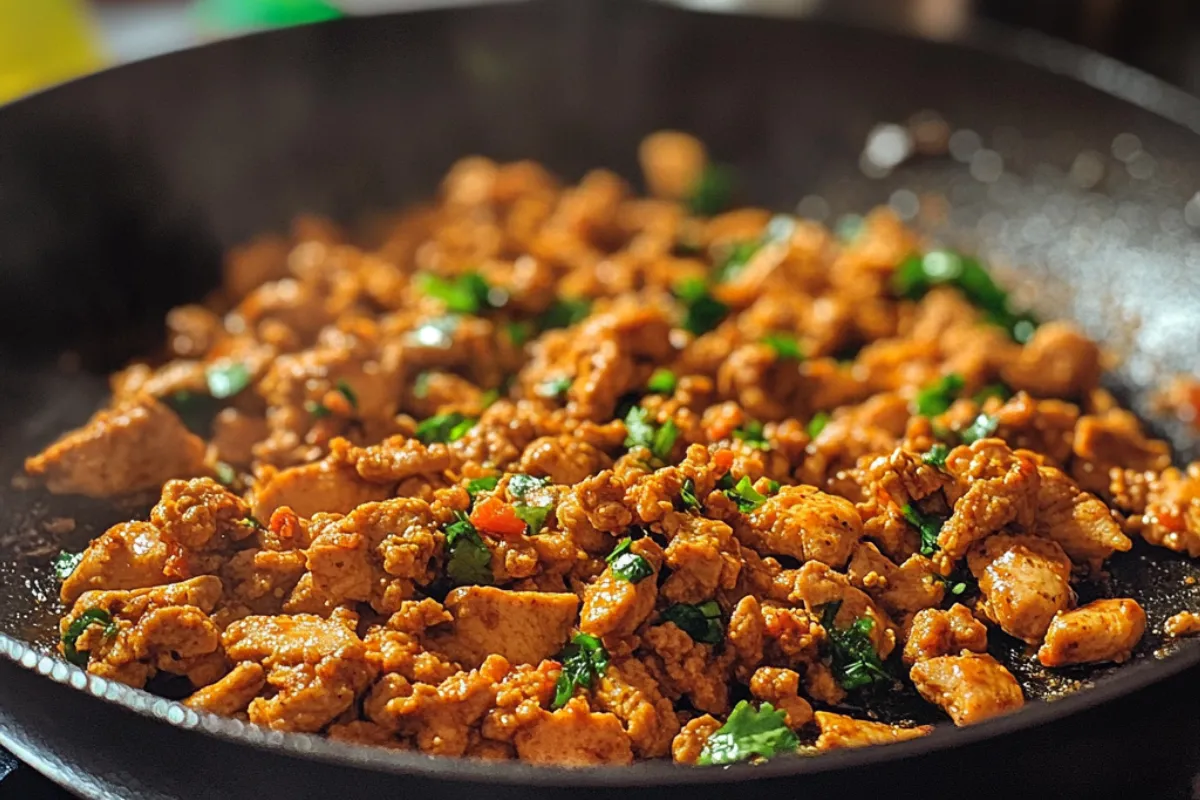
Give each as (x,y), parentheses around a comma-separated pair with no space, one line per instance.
(1076,520)
(320,486)
(1024,580)
(574,736)
(839,731)
(524,627)
(1102,630)
(232,693)
(137,445)
(934,633)
(818,586)
(909,587)
(970,688)
(1057,361)
(1185,623)
(781,687)
(129,555)
(807,524)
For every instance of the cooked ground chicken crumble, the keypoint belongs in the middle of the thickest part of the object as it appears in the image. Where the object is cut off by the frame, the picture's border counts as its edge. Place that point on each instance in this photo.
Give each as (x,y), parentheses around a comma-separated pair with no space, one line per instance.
(561,474)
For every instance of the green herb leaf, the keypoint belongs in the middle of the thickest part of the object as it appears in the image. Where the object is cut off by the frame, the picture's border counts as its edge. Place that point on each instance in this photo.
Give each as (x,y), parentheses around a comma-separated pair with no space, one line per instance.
(444,428)
(521,484)
(936,398)
(664,440)
(468,559)
(745,495)
(65,563)
(663,381)
(533,516)
(993,390)
(196,411)
(421,386)
(752,434)
(785,346)
(985,425)
(929,526)
(817,424)
(627,565)
(226,380)
(641,432)
(92,616)
(347,391)
(621,549)
(565,312)
(937,455)
(701,622)
(735,260)
(477,486)
(712,191)
(855,660)
(226,474)
(468,293)
(519,332)
(702,311)
(687,493)
(317,410)
(749,733)
(553,387)
(583,661)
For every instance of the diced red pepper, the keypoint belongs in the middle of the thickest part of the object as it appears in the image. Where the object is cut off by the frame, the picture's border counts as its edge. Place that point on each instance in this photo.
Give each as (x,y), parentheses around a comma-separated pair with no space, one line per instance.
(493,515)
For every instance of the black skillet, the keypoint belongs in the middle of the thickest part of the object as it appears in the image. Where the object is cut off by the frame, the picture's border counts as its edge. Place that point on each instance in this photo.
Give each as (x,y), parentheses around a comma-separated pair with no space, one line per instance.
(119,192)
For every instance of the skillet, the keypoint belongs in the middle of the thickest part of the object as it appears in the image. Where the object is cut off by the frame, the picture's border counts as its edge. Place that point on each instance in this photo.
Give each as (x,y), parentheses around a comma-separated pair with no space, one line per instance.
(119,192)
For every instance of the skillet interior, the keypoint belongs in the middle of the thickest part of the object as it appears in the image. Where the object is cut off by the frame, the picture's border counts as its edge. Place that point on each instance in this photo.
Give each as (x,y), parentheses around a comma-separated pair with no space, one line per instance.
(118,193)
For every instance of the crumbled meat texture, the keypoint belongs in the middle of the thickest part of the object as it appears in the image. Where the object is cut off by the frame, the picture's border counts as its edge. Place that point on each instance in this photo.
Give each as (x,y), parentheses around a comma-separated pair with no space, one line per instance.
(1185,623)
(1102,630)
(970,688)
(406,483)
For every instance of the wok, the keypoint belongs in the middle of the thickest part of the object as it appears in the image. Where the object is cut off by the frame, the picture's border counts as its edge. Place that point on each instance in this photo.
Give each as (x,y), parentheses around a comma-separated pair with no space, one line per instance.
(119,192)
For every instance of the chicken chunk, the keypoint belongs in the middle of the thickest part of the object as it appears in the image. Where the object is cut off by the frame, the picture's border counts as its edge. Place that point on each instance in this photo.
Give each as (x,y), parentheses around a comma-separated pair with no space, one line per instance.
(1172,512)
(129,555)
(628,691)
(1024,580)
(902,589)
(137,445)
(319,486)
(524,627)
(970,687)
(1057,361)
(941,633)
(998,487)
(574,736)
(839,731)
(1078,521)
(612,606)
(1102,630)
(818,586)
(1185,623)
(780,688)
(807,524)
(232,693)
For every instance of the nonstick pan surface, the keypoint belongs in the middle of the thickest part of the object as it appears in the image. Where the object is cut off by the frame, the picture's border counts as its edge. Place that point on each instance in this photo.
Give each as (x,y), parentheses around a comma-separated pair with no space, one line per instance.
(119,192)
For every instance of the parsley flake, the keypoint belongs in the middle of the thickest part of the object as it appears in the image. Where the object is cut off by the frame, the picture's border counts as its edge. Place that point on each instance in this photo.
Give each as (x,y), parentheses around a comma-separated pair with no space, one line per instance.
(468,558)
(583,661)
(553,387)
(785,346)
(347,391)
(226,380)
(444,428)
(701,622)
(663,381)
(640,431)
(929,526)
(65,563)
(752,434)
(468,293)
(565,312)
(712,191)
(817,424)
(745,495)
(687,493)
(749,733)
(985,425)
(936,398)
(532,515)
(477,486)
(936,456)
(702,311)
(521,484)
(92,616)
(627,565)
(856,663)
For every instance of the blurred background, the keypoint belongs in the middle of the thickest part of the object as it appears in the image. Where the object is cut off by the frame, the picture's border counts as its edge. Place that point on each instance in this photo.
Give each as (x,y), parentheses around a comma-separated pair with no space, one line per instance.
(46,41)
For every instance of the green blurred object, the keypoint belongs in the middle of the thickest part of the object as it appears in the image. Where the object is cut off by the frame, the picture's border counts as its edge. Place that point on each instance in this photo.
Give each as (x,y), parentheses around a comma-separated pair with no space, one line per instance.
(246,14)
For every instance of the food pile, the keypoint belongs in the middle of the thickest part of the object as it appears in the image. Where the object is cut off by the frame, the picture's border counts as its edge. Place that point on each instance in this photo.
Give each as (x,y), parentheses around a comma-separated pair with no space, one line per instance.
(562,474)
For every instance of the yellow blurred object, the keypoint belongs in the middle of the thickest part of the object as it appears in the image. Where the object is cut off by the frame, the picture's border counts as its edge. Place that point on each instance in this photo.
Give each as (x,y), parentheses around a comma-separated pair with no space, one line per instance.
(44,42)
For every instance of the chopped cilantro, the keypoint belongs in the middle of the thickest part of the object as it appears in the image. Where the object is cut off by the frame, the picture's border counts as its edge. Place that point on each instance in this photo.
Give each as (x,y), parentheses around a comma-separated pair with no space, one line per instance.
(817,424)
(519,332)
(752,434)
(641,432)
(745,495)
(421,386)
(477,486)
(936,398)
(444,428)
(468,558)
(663,381)
(701,622)
(985,425)
(627,565)
(735,260)
(855,660)
(712,191)
(226,380)
(226,474)
(318,410)
(532,515)
(993,390)
(553,387)
(65,563)
(521,484)
(583,661)
(785,346)
(347,391)
(565,312)
(702,311)
(749,733)
(468,293)
(489,397)
(687,493)
(92,616)
(929,526)
(937,455)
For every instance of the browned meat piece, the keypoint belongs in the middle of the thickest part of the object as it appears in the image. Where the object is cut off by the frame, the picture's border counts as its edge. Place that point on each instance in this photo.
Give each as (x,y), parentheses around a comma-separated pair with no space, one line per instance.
(564,459)
(1058,361)
(612,606)
(398,458)
(806,524)
(818,585)
(941,633)
(781,687)
(838,731)
(1045,426)
(702,556)
(970,688)
(201,514)
(1102,630)
(1113,440)
(1078,521)
(628,691)
(1171,517)
(792,637)
(574,736)
(905,477)
(683,666)
(997,487)
(671,163)
(130,555)
(524,627)
(319,486)
(1185,623)
(1024,580)
(909,587)
(138,445)
(317,667)
(231,694)
(687,746)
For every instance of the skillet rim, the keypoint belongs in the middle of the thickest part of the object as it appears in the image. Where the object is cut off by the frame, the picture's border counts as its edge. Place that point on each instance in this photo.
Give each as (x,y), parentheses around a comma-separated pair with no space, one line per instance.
(1062,61)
